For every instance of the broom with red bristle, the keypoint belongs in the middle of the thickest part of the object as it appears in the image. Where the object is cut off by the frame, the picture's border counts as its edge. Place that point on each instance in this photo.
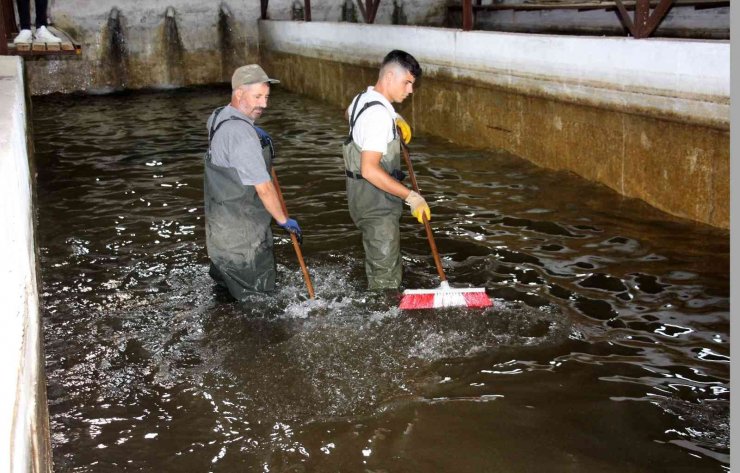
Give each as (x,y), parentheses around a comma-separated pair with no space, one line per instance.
(444,296)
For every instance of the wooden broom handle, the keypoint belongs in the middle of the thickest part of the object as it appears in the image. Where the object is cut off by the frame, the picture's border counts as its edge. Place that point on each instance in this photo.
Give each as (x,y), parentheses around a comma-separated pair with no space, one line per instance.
(428,227)
(296,245)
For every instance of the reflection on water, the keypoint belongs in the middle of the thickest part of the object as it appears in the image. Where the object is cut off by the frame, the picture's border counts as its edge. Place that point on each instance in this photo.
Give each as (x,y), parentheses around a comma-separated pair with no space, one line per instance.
(607,348)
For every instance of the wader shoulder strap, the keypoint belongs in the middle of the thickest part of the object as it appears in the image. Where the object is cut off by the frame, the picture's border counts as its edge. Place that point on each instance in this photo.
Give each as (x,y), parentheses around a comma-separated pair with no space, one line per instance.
(215,127)
(264,141)
(353,118)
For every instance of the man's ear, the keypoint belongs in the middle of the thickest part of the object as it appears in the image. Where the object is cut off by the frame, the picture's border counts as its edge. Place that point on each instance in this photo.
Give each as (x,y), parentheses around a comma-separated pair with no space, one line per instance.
(389,75)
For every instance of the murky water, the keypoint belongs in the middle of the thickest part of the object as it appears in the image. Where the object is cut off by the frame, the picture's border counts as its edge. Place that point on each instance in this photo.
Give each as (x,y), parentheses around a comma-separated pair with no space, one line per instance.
(607,349)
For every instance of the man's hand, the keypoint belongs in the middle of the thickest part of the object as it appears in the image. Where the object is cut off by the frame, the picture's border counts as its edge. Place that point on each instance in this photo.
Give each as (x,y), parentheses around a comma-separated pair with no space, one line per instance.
(418,206)
(405,129)
(291,226)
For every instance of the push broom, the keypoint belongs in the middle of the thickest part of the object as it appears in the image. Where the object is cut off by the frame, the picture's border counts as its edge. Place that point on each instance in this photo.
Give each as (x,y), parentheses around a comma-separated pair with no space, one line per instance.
(444,296)
(296,245)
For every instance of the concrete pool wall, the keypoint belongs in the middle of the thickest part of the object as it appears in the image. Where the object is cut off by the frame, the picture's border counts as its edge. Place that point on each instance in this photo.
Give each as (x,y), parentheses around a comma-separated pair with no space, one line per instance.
(24,419)
(133,44)
(647,118)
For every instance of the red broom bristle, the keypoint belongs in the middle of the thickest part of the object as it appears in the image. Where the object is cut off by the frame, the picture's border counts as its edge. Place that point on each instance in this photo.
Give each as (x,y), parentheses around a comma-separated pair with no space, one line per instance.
(417,301)
(477,299)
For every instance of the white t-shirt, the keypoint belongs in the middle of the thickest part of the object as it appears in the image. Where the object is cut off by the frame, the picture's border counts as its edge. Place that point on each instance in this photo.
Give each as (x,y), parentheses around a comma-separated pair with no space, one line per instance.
(374,129)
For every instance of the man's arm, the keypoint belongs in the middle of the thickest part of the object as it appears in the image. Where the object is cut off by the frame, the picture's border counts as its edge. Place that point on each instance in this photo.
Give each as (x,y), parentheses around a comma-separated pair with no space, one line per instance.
(373,173)
(269,197)
(376,175)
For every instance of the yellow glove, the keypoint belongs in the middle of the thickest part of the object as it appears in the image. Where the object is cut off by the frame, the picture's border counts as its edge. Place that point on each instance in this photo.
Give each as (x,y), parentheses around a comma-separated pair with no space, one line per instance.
(418,206)
(405,129)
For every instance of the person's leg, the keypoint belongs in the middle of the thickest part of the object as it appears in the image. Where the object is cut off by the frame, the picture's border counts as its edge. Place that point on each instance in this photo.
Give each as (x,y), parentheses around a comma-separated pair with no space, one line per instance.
(42,33)
(24,13)
(41,6)
(381,240)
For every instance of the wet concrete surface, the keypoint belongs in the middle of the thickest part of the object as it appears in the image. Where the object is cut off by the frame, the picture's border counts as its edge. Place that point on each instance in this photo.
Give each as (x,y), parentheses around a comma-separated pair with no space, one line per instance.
(607,348)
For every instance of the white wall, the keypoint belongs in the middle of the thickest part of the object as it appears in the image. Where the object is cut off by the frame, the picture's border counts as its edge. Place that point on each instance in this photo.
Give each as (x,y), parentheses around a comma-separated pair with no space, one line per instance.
(21,431)
(686,79)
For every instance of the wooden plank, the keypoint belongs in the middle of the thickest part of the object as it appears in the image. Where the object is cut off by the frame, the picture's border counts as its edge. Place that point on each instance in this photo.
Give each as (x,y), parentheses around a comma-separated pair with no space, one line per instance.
(68,44)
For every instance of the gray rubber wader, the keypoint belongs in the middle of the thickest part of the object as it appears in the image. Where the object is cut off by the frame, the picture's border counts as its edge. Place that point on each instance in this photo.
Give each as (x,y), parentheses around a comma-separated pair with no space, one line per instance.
(377,214)
(238,234)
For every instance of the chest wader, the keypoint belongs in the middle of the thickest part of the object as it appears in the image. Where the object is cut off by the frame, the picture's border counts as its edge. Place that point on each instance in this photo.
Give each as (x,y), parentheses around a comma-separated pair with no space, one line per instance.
(238,234)
(375,212)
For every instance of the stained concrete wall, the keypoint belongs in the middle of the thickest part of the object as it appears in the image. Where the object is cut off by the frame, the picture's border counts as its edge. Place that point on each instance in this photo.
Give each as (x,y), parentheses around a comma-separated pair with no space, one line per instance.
(24,422)
(131,44)
(648,118)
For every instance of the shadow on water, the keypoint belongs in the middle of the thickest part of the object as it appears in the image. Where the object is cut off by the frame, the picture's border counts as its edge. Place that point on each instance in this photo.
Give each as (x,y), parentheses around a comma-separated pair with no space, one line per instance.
(607,348)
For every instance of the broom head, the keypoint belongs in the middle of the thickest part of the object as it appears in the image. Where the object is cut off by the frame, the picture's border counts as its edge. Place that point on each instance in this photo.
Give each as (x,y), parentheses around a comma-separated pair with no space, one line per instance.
(444,296)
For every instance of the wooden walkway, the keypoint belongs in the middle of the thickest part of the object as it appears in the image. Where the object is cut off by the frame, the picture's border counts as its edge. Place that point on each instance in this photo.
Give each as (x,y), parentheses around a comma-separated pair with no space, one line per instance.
(67,46)
(9,30)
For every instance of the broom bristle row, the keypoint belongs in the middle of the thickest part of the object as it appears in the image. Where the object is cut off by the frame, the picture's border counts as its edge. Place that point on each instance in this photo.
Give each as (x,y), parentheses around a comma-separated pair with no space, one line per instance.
(445,297)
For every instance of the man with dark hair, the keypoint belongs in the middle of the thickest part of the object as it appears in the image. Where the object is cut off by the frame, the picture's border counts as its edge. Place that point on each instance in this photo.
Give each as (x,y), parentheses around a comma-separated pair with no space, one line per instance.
(240,197)
(372,158)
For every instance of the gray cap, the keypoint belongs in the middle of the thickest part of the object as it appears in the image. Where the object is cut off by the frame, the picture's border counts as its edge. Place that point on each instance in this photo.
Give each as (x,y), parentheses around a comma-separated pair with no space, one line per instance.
(250,74)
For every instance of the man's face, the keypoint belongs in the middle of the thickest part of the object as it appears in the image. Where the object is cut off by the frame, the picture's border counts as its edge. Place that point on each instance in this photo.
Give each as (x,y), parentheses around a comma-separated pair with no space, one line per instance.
(401,84)
(251,99)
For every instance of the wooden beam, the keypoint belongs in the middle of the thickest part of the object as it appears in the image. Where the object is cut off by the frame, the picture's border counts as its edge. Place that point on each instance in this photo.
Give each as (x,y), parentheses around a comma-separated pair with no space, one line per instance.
(467,15)
(369,10)
(3,36)
(374,5)
(7,24)
(624,17)
(363,10)
(307,10)
(263,8)
(642,13)
(7,16)
(657,16)
(645,22)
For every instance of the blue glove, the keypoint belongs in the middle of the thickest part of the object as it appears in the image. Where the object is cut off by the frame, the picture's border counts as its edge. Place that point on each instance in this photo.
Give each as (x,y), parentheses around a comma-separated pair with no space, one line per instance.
(291,226)
(265,139)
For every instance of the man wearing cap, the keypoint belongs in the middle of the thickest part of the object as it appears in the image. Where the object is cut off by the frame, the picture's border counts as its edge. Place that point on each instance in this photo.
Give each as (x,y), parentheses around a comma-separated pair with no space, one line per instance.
(240,198)
(372,159)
